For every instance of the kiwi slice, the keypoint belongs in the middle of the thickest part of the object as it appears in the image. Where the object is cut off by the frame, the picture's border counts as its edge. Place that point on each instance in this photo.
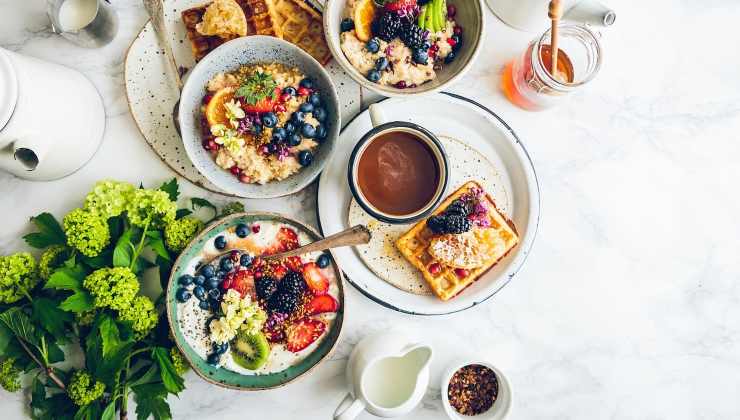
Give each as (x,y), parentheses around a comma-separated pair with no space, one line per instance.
(250,351)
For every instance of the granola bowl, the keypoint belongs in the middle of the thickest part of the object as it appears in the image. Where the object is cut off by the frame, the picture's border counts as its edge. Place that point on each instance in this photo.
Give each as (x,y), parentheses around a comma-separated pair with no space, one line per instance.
(259,117)
(502,395)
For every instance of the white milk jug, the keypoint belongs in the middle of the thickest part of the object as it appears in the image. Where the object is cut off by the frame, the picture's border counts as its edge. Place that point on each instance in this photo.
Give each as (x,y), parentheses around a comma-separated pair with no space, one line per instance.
(51,118)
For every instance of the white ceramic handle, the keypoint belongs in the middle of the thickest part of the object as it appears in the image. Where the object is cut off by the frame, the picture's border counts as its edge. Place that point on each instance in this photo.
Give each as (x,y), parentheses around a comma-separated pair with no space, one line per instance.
(377,116)
(349,409)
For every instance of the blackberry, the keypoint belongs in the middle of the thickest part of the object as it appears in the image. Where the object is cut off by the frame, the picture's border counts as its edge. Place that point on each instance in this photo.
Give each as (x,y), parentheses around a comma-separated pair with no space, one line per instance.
(284,303)
(414,37)
(458,207)
(266,286)
(387,26)
(456,224)
(292,284)
(437,224)
(422,2)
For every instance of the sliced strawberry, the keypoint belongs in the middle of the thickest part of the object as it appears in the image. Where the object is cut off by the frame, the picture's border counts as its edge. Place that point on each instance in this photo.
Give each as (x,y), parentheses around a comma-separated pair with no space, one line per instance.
(315,280)
(322,304)
(302,333)
(263,105)
(400,4)
(242,281)
(285,240)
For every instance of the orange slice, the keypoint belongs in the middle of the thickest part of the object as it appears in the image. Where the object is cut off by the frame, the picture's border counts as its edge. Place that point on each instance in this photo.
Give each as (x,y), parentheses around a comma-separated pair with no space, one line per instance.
(364,15)
(215,110)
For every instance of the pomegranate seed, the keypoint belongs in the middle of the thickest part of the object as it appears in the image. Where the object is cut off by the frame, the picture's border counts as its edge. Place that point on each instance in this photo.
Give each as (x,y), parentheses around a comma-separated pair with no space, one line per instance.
(255,228)
(458,30)
(285,97)
(451,10)
(461,272)
(435,268)
(452,42)
(207,99)
(265,150)
(244,178)
(401,84)
(235,170)
(434,47)
(257,274)
(279,108)
(212,145)
(234,255)
(303,91)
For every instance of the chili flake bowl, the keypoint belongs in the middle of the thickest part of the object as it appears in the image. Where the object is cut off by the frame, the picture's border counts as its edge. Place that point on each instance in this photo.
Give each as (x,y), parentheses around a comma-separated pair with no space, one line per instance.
(501,405)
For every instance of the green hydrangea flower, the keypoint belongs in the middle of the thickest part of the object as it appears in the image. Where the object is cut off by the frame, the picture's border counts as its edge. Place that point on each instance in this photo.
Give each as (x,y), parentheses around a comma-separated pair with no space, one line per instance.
(113,288)
(51,259)
(231,208)
(18,276)
(108,198)
(150,206)
(178,360)
(86,232)
(141,314)
(178,233)
(85,318)
(10,375)
(83,389)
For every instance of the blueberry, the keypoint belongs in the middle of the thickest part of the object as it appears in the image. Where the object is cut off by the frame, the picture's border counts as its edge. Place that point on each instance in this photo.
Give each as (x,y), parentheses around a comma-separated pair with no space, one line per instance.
(221,274)
(208,271)
(214,293)
(294,140)
(421,56)
(203,304)
(199,292)
(182,295)
(297,117)
(269,120)
(242,230)
(315,99)
(306,83)
(307,130)
(289,127)
(305,157)
(211,283)
(373,76)
(290,90)
(226,264)
(220,242)
(213,359)
(381,64)
(323,261)
(321,132)
(199,280)
(347,25)
(185,280)
(245,260)
(458,42)
(373,46)
(319,114)
(256,130)
(450,57)
(215,305)
(279,134)
(220,348)
(306,107)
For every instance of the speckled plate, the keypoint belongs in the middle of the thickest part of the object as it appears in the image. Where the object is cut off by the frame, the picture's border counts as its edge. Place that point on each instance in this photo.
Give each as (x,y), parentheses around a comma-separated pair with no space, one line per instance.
(198,251)
(151,94)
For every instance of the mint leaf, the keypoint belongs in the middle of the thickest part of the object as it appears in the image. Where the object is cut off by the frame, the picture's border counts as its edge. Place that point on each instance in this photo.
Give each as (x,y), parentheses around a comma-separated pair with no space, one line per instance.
(124,250)
(50,232)
(81,301)
(171,188)
(67,279)
(50,317)
(171,380)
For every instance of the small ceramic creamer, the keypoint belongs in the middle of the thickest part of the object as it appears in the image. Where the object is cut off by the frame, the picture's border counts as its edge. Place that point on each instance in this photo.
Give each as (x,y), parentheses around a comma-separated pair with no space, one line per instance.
(51,118)
(388,376)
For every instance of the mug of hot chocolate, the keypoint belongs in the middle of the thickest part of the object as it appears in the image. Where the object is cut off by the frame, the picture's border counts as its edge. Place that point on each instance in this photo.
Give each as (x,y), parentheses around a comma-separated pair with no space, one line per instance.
(398,171)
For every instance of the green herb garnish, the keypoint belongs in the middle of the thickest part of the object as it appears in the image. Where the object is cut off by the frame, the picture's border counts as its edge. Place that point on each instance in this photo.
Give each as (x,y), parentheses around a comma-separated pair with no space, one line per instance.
(256,88)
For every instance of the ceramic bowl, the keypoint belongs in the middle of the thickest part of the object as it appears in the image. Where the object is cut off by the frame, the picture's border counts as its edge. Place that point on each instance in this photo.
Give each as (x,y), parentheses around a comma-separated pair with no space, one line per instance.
(500,408)
(228,57)
(469,16)
(202,249)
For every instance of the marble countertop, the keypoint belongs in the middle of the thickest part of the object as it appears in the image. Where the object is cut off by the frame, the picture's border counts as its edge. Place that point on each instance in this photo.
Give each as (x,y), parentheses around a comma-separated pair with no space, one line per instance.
(628,306)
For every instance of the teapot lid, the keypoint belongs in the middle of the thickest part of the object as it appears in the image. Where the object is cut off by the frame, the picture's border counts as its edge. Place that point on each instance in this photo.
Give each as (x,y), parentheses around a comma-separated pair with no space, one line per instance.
(8,88)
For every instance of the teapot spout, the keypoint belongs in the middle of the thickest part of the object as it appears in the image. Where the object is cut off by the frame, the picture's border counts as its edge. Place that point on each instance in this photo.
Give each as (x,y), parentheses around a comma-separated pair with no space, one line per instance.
(22,155)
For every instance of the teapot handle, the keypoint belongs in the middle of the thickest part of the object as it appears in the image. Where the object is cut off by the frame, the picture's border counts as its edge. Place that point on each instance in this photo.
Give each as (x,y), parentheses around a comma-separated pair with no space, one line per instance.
(348,409)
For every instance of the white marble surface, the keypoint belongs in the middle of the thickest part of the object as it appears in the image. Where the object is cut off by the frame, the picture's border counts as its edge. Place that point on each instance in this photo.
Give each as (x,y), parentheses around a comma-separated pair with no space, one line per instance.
(629,306)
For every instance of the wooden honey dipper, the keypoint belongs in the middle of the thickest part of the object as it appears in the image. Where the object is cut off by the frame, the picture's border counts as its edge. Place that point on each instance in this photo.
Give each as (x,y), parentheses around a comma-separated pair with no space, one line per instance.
(555,12)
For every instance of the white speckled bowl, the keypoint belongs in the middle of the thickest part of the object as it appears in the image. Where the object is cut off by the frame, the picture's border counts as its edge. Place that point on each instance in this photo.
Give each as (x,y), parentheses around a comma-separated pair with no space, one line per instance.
(229,56)
(469,16)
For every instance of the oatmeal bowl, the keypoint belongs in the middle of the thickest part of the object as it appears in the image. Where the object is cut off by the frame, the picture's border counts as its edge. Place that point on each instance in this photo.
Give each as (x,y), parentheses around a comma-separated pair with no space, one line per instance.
(404,47)
(259,117)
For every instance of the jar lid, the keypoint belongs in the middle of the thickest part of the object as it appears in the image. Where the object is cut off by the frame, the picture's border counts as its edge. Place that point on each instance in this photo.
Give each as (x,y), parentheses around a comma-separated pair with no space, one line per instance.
(8,88)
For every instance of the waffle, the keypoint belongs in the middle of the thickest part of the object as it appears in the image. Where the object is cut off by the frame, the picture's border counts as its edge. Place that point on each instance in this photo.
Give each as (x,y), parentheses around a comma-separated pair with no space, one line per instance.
(498,239)
(292,20)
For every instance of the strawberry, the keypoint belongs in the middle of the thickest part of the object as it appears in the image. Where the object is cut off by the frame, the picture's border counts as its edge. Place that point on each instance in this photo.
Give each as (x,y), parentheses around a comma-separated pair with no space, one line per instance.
(285,240)
(322,304)
(315,280)
(242,281)
(399,5)
(302,333)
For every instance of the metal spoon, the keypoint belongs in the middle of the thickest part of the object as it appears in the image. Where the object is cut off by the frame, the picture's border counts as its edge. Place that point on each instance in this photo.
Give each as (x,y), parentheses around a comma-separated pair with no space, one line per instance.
(155,9)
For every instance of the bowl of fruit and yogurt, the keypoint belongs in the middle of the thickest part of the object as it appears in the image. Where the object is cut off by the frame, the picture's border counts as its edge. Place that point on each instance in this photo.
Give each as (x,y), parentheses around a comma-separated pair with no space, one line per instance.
(404,47)
(247,322)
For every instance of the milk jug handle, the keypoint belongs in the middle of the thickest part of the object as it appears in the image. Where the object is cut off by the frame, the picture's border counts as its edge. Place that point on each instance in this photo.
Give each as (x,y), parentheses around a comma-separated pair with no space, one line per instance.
(349,409)
(377,116)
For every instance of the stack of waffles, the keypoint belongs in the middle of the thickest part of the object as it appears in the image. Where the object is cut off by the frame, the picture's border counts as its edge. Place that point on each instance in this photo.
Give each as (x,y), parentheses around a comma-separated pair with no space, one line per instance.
(450,263)
(292,20)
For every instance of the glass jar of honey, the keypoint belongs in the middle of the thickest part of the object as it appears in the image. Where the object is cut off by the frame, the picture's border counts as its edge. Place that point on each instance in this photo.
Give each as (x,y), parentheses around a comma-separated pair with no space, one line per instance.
(528,80)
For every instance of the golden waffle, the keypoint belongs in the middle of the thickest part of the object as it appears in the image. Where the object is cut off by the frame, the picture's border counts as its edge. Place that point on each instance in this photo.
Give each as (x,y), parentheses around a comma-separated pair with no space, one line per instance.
(500,238)
(260,21)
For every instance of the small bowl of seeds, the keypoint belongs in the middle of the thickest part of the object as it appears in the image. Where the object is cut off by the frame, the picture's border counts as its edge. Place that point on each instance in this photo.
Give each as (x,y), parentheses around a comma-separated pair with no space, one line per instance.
(473,387)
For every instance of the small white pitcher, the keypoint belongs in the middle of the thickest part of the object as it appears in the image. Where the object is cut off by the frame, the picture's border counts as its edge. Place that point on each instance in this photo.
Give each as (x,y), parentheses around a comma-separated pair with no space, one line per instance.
(387,374)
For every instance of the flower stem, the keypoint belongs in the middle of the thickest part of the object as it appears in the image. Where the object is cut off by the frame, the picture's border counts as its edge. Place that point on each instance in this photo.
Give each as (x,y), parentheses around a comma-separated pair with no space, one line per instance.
(48,369)
(137,251)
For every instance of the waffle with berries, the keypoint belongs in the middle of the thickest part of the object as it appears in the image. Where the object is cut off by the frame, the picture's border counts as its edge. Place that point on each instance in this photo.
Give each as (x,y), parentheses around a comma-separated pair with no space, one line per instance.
(453,265)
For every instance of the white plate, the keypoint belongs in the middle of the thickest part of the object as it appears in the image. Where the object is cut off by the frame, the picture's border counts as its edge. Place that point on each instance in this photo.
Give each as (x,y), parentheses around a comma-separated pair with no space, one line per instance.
(458,117)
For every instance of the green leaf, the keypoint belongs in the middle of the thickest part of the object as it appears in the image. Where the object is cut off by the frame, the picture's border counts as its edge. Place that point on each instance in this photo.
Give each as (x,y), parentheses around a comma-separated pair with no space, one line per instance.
(201,202)
(48,315)
(50,233)
(171,188)
(88,412)
(109,336)
(123,252)
(81,301)
(151,401)
(156,242)
(143,264)
(55,352)
(5,338)
(110,411)
(165,269)
(67,279)
(182,213)
(20,324)
(171,380)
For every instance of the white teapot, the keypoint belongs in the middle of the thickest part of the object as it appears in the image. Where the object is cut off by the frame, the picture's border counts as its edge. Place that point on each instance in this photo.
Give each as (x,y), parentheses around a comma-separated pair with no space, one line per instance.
(51,118)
